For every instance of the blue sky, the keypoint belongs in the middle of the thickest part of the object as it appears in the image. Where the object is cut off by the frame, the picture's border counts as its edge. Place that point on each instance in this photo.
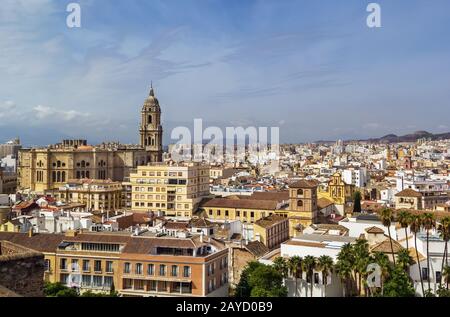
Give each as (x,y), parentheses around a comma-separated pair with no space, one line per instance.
(311,67)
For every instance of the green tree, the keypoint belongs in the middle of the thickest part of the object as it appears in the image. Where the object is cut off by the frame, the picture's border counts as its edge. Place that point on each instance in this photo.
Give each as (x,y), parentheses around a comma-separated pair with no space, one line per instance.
(446,275)
(295,269)
(344,268)
(260,280)
(444,233)
(415,226)
(325,265)
(386,219)
(385,266)
(308,265)
(428,222)
(281,266)
(357,202)
(399,284)
(361,260)
(404,259)
(404,218)
(59,290)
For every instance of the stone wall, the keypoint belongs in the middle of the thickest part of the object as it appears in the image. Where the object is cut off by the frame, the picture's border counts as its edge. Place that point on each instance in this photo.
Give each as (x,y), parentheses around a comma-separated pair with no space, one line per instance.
(21,270)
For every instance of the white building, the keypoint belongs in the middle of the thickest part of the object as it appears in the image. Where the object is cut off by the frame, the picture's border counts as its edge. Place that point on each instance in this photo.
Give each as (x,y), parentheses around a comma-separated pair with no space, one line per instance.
(355,176)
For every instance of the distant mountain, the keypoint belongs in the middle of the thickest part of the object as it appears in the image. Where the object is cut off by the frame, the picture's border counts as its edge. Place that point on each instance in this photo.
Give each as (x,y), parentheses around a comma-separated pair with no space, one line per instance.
(392,138)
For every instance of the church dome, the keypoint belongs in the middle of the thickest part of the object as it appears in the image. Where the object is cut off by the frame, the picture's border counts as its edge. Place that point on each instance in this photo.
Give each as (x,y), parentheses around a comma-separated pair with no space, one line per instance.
(151,100)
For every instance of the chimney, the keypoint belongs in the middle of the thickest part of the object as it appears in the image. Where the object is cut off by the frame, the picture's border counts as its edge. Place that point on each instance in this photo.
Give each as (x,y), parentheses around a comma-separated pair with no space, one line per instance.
(30,233)
(201,237)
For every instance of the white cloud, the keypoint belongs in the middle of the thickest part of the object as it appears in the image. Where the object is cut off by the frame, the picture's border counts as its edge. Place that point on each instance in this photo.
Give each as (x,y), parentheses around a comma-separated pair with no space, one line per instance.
(44,112)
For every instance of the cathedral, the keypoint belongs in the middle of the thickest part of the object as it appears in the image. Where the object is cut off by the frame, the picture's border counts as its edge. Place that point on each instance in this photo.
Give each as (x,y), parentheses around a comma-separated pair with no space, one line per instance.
(44,168)
(151,129)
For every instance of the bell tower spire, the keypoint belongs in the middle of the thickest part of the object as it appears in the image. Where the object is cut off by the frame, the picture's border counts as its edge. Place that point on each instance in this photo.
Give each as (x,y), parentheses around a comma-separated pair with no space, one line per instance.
(151,129)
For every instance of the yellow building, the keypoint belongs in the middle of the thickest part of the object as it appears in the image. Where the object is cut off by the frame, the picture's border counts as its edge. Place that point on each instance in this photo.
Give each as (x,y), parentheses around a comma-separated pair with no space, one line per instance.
(272,231)
(244,209)
(43,169)
(175,189)
(303,208)
(338,191)
(96,194)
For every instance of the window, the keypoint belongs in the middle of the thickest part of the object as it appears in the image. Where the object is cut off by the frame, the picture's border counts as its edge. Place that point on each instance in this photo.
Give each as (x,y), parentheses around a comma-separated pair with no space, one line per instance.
(138,268)
(109,266)
(64,279)
(174,270)
(438,277)
(98,266)
(108,281)
(425,274)
(75,267)
(47,265)
(86,265)
(150,269)
(187,271)
(300,203)
(63,264)
(226,213)
(138,284)
(316,278)
(86,280)
(127,283)
(127,268)
(97,281)
(162,270)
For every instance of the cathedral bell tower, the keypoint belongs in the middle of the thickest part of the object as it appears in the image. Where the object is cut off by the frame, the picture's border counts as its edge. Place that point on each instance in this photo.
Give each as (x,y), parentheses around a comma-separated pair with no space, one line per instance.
(151,129)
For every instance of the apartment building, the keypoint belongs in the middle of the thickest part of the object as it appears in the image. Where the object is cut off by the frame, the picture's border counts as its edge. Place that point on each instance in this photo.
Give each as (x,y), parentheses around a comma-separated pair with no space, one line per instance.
(175,189)
(95,194)
(139,266)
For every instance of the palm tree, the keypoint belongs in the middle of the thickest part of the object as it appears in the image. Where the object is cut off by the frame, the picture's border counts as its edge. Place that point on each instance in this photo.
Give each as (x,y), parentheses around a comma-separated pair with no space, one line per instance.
(325,264)
(404,218)
(383,261)
(415,226)
(281,266)
(446,275)
(404,259)
(344,271)
(295,267)
(428,222)
(444,233)
(308,265)
(386,219)
(362,260)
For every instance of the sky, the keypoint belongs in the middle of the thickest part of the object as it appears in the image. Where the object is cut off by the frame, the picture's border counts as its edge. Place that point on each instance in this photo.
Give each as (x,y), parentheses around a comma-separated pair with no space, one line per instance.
(310,67)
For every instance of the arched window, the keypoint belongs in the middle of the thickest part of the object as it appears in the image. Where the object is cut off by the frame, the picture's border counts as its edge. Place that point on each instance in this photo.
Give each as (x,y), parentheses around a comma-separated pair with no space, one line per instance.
(300,203)
(58,177)
(300,192)
(58,164)
(87,174)
(78,175)
(54,177)
(63,177)
(150,119)
(83,164)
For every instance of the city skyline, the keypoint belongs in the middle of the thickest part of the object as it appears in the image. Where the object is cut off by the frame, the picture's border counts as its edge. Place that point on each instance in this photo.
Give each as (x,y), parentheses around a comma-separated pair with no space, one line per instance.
(314,70)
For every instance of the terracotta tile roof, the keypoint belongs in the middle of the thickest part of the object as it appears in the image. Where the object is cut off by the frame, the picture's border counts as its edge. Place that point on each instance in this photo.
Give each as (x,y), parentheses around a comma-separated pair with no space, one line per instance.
(324,203)
(241,203)
(276,196)
(375,230)
(385,246)
(38,242)
(257,248)
(408,193)
(173,225)
(270,221)
(201,223)
(304,184)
